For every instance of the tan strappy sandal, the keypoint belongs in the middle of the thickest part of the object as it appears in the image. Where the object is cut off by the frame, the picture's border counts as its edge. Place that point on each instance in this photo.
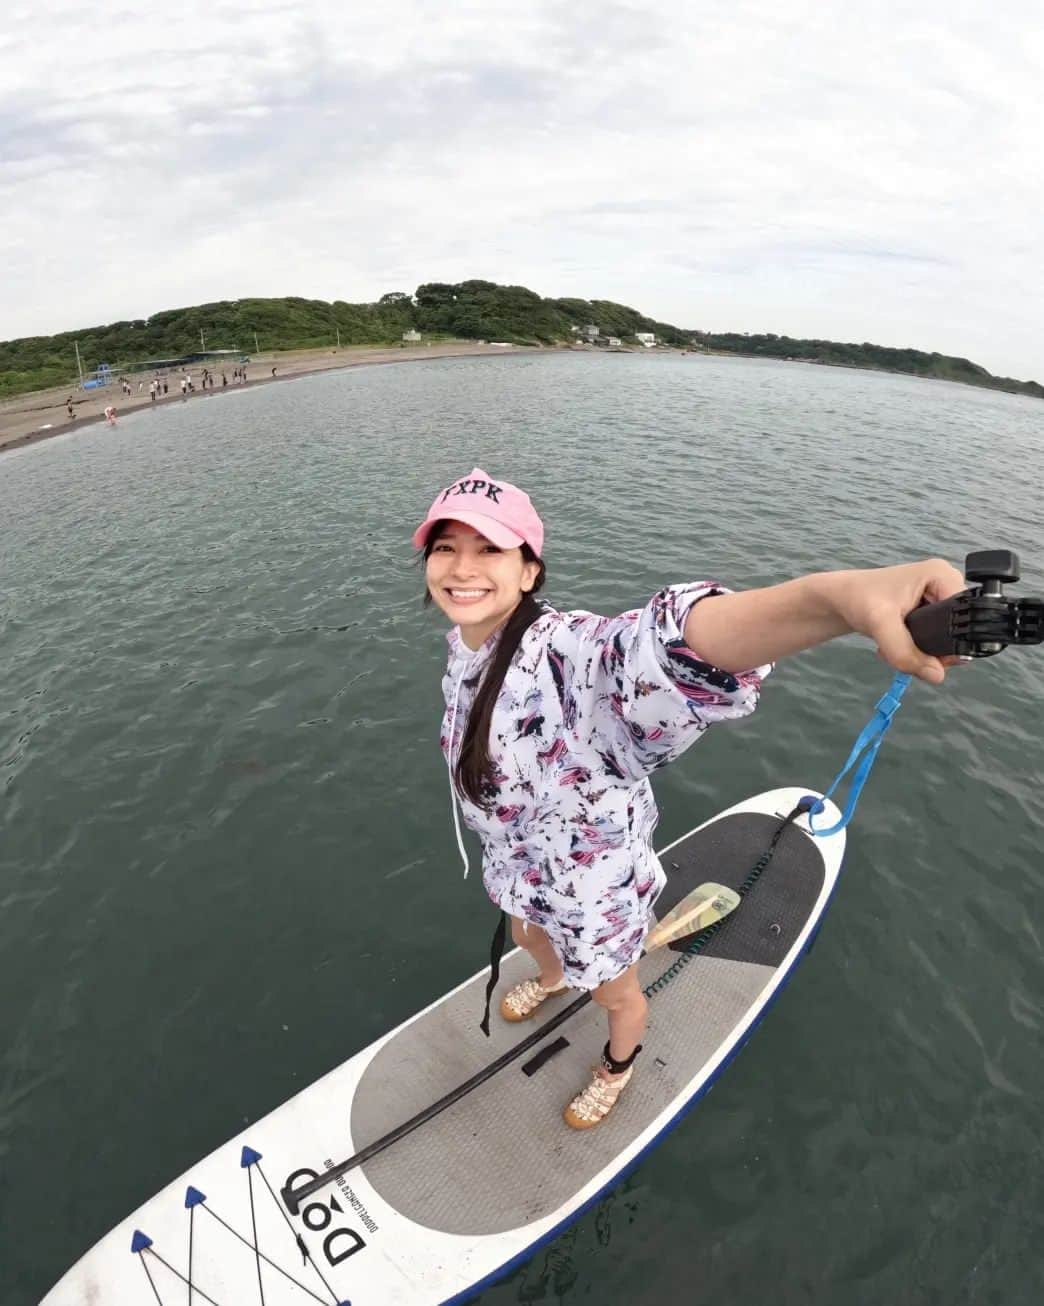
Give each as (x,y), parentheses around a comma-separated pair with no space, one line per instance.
(521,1001)
(591,1107)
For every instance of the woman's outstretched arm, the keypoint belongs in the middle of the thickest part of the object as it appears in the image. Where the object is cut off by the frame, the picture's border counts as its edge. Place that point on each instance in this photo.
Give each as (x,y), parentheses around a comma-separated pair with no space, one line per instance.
(738,631)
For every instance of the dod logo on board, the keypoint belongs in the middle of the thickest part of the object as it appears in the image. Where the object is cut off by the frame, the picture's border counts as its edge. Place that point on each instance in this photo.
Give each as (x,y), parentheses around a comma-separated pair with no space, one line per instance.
(318,1216)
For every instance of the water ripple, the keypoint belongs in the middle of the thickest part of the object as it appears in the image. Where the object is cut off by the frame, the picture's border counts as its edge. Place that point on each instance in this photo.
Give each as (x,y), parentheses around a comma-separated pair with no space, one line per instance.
(218,748)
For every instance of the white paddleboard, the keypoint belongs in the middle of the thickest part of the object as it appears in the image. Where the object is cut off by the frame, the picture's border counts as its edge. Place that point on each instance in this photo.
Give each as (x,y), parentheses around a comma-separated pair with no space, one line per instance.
(475,1191)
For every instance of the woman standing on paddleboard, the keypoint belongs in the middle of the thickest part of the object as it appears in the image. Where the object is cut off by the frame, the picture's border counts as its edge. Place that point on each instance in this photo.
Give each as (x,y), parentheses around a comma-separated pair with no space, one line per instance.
(555,720)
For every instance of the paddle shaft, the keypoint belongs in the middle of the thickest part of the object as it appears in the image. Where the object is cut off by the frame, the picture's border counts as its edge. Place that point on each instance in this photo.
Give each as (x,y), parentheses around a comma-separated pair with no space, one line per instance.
(294,1197)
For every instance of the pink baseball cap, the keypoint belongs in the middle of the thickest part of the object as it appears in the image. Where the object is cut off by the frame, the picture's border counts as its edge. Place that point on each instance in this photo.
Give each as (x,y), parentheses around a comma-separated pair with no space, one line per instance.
(498,510)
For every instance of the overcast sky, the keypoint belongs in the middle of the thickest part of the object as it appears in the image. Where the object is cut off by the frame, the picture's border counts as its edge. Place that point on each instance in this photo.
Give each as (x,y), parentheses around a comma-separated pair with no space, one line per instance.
(858,171)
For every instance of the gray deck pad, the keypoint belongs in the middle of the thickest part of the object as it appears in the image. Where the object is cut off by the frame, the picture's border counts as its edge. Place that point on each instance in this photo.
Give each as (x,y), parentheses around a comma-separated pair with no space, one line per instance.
(503,1156)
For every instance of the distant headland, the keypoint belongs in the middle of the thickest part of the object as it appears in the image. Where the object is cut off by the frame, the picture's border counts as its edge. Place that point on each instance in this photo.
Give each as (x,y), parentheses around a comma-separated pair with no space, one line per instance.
(468,310)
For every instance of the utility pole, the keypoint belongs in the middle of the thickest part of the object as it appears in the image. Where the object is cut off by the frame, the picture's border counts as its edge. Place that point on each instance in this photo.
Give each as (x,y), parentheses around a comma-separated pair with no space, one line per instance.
(338,337)
(257,347)
(79,365)
(202,341)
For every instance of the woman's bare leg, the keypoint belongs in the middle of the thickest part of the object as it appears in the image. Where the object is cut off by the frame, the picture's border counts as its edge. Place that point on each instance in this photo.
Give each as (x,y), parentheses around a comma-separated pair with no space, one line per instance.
(627,1008)
(538,945)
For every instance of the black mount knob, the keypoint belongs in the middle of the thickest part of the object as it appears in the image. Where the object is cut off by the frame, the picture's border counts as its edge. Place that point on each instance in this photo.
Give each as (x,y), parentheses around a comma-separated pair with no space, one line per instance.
(981,620)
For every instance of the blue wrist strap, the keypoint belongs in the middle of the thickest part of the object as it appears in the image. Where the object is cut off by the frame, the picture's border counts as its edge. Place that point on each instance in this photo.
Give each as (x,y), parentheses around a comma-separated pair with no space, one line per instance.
(868,743)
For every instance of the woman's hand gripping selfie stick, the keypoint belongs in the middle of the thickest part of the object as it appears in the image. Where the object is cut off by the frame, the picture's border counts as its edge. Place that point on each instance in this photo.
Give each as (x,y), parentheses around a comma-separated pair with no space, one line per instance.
(982,620)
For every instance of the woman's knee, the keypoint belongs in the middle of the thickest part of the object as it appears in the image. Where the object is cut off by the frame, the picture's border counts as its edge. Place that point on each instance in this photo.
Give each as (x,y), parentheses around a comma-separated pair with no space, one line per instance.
(623,991)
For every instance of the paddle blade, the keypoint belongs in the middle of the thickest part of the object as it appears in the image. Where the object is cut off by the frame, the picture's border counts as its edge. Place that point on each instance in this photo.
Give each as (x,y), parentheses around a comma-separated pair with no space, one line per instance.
(702,907)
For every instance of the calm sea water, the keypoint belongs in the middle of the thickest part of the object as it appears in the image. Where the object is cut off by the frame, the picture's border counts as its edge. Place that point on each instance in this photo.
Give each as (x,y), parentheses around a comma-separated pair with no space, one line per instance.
(221,788)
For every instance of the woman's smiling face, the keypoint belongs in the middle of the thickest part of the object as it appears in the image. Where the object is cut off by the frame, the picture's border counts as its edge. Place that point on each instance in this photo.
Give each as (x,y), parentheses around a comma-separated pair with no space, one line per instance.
(475,583)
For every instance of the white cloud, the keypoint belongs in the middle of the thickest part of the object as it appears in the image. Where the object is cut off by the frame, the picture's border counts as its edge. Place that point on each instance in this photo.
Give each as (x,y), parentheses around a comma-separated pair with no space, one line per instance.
(862,174)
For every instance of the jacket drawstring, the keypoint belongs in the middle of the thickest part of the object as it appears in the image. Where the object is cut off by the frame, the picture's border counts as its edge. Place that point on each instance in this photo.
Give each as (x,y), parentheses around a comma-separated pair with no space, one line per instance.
(500,933)
(449,767)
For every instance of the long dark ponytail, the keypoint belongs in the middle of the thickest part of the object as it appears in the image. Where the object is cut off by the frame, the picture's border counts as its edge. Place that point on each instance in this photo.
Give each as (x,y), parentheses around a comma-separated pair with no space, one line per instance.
(471,773)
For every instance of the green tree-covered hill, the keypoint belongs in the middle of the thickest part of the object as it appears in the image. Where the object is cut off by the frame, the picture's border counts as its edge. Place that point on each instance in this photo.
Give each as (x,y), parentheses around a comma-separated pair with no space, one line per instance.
(474,310)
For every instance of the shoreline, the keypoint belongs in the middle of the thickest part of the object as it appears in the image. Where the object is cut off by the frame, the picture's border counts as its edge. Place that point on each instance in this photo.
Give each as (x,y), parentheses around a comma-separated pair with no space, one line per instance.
(23,419)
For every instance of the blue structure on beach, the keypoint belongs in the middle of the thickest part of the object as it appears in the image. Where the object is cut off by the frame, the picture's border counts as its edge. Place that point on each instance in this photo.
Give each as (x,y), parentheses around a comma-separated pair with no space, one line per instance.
(102,376)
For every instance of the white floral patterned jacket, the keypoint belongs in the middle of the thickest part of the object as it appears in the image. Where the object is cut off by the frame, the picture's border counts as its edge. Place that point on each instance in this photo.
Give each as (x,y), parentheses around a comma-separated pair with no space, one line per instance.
(589,707)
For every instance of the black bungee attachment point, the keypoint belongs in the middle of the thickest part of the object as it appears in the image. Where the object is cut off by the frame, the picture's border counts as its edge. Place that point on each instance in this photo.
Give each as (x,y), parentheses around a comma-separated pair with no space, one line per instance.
(544,1056)
(981,620)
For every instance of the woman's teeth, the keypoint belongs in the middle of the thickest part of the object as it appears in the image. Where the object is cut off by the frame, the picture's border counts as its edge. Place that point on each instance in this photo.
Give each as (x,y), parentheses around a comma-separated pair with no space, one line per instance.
(465,595)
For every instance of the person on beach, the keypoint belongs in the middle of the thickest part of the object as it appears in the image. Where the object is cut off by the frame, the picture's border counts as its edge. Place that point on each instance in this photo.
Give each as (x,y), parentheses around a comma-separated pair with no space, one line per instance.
(110,415)
(69,408)
(554,722)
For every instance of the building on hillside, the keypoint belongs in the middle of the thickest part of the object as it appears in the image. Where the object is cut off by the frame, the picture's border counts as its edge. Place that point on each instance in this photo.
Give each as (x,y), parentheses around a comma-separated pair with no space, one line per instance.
(411,337)
(591,332)
(646,338)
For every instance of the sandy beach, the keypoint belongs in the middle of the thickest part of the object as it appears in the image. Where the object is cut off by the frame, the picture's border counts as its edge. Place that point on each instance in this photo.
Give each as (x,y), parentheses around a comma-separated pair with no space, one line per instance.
(28,418)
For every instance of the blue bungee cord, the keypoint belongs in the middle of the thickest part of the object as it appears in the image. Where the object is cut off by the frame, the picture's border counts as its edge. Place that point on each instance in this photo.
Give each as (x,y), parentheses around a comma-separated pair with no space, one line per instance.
(864,751)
